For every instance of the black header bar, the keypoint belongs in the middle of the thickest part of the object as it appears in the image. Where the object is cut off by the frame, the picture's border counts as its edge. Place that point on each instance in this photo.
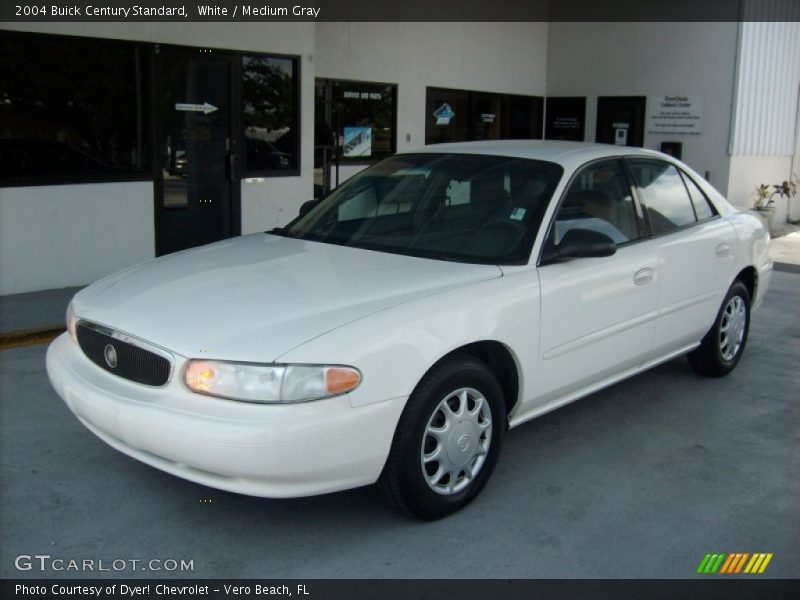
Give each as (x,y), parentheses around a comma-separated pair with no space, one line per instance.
(399,10)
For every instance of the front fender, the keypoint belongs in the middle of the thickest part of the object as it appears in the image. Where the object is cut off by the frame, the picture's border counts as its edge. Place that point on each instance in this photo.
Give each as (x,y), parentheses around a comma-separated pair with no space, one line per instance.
(395,347)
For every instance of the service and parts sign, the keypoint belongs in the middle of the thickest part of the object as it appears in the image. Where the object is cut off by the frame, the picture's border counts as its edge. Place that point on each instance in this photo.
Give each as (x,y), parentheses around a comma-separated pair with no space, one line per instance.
(670,115)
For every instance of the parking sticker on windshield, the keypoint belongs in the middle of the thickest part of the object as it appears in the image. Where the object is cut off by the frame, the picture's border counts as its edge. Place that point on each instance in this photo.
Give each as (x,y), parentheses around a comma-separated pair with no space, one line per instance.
(518,213)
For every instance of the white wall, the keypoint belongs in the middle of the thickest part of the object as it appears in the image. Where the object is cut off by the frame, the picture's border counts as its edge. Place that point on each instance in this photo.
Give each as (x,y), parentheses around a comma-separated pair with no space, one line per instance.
(648,59)
(273,202)
(492,57)
(766,113)
(499,57)
(768,79)
(266,204)
(59,236)
(286,38)
(748,172)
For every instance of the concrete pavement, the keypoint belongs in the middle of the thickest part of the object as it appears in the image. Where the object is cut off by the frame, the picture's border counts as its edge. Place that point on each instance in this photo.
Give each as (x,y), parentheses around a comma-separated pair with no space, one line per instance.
(786,249)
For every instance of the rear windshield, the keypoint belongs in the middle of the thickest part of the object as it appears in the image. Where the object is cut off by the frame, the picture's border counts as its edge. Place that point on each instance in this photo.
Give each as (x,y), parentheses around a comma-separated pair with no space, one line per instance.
(459,207)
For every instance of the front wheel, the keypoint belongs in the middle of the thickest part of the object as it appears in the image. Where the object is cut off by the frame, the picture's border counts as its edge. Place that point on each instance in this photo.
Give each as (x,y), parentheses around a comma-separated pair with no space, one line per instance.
(723,345)
(447,441)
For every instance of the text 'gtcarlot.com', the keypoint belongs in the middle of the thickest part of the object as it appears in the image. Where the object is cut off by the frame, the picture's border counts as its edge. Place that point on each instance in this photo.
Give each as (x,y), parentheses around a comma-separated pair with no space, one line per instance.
(45,562)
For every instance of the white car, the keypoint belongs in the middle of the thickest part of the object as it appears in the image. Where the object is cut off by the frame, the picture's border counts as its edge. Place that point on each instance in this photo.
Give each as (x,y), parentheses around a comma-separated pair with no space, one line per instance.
(397,329)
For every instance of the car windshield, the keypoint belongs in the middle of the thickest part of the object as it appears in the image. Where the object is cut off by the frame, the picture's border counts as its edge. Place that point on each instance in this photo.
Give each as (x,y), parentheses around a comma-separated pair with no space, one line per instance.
(459,207)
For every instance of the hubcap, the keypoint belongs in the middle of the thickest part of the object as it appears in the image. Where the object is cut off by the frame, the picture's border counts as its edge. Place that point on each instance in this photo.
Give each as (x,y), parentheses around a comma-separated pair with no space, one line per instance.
(731,330)
(456,441)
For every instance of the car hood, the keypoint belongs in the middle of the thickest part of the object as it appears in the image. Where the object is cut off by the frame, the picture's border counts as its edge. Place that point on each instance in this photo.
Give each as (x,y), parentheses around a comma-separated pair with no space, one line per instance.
(255,297)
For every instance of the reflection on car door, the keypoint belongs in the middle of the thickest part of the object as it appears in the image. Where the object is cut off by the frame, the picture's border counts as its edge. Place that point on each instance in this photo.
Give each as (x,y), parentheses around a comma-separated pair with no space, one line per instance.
(696,251)
(597,314)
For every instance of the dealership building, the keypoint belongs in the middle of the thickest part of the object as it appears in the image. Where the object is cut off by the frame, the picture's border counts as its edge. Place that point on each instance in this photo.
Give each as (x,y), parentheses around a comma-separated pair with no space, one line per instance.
(124,141)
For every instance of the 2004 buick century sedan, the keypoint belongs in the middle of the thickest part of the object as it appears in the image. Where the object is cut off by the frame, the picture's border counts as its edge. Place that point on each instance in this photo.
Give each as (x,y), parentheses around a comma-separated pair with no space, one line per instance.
(396,330)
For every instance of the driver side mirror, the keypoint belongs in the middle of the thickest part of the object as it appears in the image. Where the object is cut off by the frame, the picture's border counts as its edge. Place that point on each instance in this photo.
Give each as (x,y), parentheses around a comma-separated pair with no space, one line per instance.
(579,243)
(308,205)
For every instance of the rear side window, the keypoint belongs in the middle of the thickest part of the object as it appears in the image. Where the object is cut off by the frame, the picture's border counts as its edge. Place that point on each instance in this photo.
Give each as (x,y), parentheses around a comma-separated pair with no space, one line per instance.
(702,207)
(668,204)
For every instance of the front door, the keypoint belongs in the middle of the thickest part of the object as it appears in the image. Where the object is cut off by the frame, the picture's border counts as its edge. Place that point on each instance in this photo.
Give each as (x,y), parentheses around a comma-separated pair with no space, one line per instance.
(195,148)
(620,120)
(597,314)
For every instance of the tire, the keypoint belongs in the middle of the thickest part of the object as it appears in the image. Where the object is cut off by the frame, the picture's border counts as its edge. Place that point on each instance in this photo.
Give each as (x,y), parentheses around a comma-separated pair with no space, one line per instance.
(722,347)
(429,474)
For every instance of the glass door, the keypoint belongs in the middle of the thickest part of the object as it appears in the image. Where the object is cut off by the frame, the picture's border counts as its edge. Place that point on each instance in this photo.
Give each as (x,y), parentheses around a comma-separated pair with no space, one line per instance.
(195,148)
(620,120)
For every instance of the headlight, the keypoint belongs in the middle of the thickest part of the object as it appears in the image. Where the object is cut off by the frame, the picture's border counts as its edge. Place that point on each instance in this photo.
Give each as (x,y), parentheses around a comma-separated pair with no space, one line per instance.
(269,383)
(72,322)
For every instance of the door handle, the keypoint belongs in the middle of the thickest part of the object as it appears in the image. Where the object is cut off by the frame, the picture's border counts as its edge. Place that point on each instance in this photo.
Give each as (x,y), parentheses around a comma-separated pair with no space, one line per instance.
(723,250)
(643,276)
(233,174)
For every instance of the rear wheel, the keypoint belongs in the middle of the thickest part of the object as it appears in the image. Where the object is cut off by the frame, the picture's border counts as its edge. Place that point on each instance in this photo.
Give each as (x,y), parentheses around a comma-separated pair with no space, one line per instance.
(447,441)
(722,347)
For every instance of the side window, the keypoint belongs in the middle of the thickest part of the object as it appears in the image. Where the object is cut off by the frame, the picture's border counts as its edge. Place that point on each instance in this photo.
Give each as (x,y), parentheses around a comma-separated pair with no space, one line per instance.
(702,207)
(666,199)
(599,199)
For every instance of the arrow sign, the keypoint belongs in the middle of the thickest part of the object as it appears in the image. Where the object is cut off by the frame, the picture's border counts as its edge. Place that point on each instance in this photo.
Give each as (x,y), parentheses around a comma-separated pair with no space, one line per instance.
(204,108)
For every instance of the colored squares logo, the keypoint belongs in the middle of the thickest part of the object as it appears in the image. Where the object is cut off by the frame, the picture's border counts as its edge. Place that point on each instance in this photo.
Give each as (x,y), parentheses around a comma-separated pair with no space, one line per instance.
(733,563)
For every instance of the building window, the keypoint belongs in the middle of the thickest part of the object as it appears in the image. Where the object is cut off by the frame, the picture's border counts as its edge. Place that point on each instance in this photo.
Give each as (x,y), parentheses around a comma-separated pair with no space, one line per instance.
(461,115)
(270,115)
(566,119)
(446,116)
(358,117)
(523,118)
(75,113)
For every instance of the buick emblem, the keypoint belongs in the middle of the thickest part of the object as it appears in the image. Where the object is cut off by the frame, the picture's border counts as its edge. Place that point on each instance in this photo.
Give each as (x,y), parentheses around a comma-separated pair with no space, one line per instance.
(463,443)
(110,354)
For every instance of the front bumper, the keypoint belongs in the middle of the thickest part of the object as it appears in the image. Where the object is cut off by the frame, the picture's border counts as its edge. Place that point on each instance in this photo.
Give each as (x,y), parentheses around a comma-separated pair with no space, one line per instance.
(270,450)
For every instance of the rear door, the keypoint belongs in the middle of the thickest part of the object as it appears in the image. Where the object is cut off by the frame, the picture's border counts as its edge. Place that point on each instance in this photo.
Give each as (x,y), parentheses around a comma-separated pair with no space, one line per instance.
(696,250)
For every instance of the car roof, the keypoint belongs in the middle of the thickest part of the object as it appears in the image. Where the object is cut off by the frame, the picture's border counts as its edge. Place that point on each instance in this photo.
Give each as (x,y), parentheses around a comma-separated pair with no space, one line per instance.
(555,151)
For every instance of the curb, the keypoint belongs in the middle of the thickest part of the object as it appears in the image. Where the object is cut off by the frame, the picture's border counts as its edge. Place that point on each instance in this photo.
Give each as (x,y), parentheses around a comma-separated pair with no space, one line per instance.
(785,267)
(29,337)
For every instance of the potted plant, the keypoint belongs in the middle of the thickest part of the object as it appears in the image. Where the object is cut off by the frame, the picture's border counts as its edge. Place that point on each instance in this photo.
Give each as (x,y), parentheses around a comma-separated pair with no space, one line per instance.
(764,199)
(788,190)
